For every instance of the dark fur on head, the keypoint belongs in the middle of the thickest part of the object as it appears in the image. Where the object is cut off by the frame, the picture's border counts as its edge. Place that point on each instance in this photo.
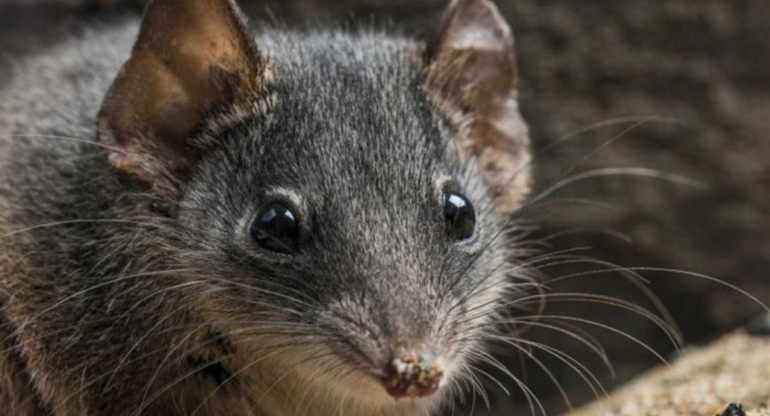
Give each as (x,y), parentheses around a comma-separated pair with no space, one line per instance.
(135,287)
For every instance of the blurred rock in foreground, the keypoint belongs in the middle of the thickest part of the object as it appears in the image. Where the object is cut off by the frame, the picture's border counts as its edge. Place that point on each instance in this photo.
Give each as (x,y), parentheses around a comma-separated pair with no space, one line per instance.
(734,369)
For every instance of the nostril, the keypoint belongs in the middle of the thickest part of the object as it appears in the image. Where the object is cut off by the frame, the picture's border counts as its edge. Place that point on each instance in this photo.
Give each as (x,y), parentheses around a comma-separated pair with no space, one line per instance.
(412,375)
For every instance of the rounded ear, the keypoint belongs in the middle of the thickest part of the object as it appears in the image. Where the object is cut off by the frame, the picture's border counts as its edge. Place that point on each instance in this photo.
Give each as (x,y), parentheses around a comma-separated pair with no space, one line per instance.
(190,56)
(471,79)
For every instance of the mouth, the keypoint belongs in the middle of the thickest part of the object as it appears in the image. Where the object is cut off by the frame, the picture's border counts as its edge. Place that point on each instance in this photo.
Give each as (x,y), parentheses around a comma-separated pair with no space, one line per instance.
(412,376)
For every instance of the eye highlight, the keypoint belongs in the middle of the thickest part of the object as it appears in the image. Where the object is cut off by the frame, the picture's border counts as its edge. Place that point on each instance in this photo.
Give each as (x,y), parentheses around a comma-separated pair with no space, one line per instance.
(276,228)
(460,216)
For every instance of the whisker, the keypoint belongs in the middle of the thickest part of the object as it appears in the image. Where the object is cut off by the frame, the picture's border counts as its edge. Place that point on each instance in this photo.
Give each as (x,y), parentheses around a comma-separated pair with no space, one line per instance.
(95,287)
(575,365)
(632,171)
(706,277)
(611,233)
(60,137)
(77,221)
(570,202)
(675,338)
(608,328)
(635,120)
(603,145)
(631,275)
(545,369)
(478,387)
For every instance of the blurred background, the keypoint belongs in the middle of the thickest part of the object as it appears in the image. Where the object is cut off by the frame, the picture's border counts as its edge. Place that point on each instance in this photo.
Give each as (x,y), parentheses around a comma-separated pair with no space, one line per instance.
(674,86)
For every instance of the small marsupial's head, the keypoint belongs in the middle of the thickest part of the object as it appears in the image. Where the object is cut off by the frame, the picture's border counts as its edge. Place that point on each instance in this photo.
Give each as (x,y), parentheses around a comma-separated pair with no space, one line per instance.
(344,198)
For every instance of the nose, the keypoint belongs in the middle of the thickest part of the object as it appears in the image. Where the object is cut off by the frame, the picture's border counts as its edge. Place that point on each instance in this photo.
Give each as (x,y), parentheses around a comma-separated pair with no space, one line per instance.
(412,375)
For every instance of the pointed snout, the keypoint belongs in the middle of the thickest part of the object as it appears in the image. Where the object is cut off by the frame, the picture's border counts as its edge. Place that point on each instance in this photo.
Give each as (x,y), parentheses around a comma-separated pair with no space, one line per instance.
(412,375)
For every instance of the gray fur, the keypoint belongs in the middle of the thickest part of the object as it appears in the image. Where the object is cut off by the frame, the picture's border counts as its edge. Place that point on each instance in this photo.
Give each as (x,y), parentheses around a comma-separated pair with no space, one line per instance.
(132,292)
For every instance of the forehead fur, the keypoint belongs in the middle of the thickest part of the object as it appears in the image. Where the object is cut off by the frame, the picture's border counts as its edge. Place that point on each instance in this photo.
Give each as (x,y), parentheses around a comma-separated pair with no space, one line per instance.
(355,87)
(351,106)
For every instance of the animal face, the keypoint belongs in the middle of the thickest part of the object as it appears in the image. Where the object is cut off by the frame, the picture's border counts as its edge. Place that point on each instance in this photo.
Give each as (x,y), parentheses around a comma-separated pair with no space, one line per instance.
(344,197)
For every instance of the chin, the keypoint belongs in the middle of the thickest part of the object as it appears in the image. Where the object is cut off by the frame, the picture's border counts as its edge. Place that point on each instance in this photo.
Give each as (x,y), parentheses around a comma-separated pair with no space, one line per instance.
(330,387)
(363,392)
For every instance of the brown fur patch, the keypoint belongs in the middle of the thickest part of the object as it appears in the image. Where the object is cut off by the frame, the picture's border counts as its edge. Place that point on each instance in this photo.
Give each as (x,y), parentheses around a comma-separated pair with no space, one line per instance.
(190,55)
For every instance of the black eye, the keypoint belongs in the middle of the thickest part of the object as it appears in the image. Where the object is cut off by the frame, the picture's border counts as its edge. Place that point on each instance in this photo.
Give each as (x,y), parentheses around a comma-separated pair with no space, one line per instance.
(276,228)
(460,216)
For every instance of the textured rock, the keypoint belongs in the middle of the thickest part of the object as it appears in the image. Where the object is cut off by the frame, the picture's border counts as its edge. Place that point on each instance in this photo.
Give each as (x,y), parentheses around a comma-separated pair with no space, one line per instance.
(734,369)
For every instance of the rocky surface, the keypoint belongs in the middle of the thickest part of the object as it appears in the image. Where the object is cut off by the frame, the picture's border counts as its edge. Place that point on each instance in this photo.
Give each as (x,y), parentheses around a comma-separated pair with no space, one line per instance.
(734,369)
